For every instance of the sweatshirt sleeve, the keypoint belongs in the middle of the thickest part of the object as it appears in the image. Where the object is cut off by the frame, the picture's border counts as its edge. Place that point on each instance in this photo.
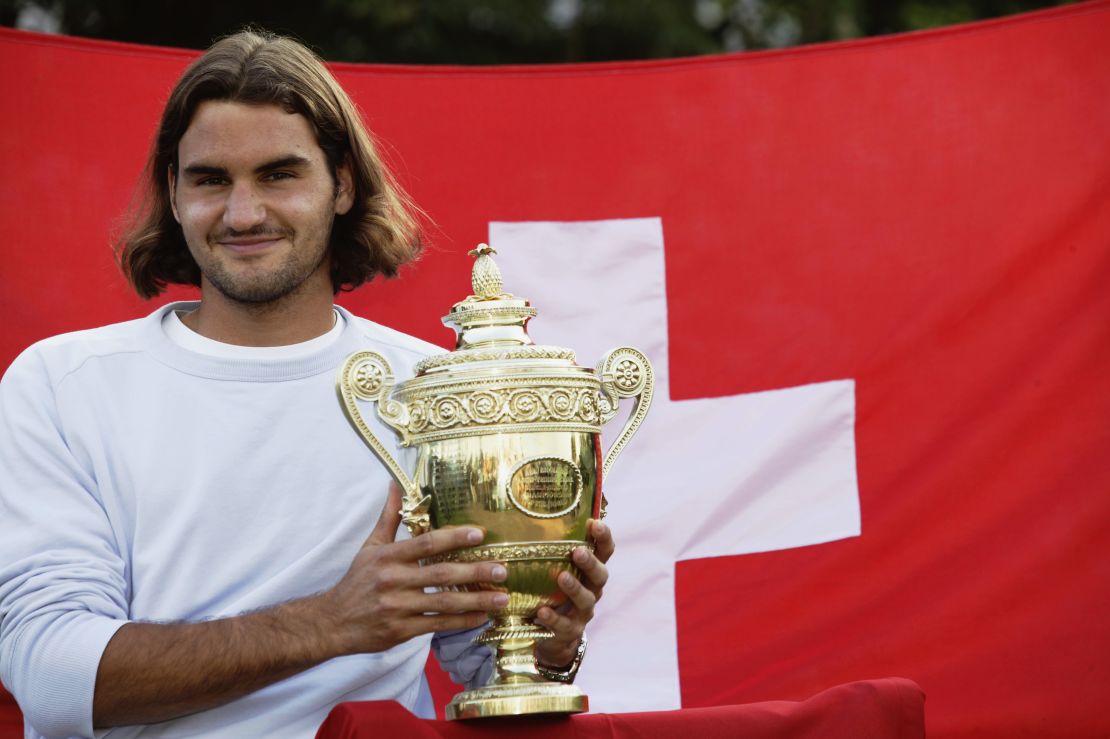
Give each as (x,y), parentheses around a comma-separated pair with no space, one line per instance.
(468,662)
(63,582)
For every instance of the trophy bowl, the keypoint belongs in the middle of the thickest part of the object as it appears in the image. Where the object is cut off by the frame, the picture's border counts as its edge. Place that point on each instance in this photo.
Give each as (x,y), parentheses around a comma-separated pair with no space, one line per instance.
(508,438)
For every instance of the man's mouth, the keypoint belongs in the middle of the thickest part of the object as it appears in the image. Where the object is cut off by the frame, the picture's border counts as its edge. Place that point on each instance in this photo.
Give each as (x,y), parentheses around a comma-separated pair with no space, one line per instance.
(249,244)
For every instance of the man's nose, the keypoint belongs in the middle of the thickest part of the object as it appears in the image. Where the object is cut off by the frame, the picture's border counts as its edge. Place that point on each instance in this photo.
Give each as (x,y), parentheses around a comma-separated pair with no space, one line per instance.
(244,209)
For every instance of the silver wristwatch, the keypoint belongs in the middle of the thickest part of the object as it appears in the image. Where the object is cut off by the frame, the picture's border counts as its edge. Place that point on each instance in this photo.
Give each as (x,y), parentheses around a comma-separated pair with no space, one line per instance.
(568,673)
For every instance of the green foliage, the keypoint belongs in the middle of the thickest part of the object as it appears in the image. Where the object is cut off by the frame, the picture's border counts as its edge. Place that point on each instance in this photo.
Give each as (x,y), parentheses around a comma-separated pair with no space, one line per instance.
(506,31)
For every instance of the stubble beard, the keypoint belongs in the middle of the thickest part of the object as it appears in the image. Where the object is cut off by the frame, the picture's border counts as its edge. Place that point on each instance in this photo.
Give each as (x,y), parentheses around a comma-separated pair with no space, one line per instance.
(268,287)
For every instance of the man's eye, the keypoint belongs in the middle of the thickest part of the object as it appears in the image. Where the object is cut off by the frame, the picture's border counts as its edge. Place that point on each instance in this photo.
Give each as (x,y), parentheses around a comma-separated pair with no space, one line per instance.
(276,176)
(210,181)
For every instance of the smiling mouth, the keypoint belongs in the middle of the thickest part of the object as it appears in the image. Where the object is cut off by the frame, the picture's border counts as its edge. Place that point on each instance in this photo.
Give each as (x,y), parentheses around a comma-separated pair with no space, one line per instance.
(251,245)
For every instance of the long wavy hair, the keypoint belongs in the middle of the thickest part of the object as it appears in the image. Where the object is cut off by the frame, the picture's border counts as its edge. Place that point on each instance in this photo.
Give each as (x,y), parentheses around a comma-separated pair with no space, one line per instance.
(377,235)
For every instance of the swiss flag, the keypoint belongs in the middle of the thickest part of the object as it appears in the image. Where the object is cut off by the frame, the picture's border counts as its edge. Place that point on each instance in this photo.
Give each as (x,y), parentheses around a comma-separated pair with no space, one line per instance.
(873,276)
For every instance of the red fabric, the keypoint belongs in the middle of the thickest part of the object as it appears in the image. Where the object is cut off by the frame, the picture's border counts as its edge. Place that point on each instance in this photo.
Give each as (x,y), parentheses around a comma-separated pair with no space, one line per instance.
(879,709)
(11,720)
(893,707)
(925,214)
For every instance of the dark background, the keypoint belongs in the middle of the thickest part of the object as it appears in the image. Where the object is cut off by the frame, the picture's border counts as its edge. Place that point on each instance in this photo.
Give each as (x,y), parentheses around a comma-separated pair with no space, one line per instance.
(504,31)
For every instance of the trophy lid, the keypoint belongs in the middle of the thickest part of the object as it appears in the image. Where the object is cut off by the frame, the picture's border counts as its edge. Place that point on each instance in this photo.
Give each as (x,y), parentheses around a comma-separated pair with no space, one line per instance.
(491,325)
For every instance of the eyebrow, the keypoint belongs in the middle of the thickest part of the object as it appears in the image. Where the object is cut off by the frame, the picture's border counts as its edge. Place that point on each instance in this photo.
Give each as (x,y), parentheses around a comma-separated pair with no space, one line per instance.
(292,160)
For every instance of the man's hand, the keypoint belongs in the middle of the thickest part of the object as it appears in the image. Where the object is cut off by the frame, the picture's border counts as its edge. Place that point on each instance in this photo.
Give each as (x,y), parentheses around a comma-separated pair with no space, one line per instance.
(569,620)
(381,601)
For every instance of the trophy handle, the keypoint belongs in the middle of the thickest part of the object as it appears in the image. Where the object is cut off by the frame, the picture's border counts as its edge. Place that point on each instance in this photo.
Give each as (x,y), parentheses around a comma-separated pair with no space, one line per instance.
(624,373)
(368,376)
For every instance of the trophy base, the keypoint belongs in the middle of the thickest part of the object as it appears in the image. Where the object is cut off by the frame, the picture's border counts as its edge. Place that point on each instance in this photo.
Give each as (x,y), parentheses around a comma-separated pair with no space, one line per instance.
(517,700)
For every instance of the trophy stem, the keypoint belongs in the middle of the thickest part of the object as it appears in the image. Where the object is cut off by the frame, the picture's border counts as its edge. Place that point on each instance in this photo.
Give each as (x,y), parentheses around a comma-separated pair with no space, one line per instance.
(514,639)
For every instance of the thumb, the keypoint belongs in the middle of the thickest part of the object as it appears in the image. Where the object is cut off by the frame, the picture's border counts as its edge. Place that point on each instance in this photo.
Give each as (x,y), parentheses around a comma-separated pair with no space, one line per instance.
(385,530)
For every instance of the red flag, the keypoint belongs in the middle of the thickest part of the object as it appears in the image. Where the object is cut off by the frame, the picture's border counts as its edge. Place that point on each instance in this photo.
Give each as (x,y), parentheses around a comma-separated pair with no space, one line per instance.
(923,215)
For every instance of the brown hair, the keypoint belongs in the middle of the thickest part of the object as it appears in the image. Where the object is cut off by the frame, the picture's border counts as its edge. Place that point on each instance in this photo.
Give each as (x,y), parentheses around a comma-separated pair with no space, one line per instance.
(377,235)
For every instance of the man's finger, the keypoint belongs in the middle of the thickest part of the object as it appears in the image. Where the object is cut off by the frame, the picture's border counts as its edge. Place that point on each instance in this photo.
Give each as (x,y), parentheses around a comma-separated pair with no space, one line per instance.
(594,572)
(448,574)
(558,650)
(437,542)
(385,530)
(456,602)
(603,540)
(437,622)
(582,597)
(566,629)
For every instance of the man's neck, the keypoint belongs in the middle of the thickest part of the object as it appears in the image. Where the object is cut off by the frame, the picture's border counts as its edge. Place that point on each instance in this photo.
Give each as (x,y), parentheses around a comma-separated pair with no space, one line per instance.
(297,317)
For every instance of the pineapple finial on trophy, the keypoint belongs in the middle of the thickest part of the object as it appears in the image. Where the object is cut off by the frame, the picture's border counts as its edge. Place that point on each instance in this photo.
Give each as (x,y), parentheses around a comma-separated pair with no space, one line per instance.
(490,316)
(486,277)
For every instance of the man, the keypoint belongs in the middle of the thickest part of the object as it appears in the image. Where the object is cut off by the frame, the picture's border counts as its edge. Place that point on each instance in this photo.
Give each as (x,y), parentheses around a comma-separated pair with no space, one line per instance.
(184,509)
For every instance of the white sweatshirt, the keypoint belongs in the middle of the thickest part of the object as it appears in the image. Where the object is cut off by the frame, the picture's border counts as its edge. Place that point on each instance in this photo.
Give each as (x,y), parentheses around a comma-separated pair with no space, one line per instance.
(141,480)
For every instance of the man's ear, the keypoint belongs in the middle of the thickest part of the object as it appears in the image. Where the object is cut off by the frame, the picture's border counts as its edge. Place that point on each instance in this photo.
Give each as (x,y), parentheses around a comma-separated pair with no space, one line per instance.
(172,182)
(344,188)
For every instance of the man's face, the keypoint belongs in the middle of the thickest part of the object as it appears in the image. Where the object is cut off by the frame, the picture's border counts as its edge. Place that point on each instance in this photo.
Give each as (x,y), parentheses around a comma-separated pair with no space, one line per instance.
(256,199)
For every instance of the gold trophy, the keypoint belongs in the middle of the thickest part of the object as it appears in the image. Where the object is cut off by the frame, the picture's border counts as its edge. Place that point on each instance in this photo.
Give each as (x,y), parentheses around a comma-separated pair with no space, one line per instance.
(508,435)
